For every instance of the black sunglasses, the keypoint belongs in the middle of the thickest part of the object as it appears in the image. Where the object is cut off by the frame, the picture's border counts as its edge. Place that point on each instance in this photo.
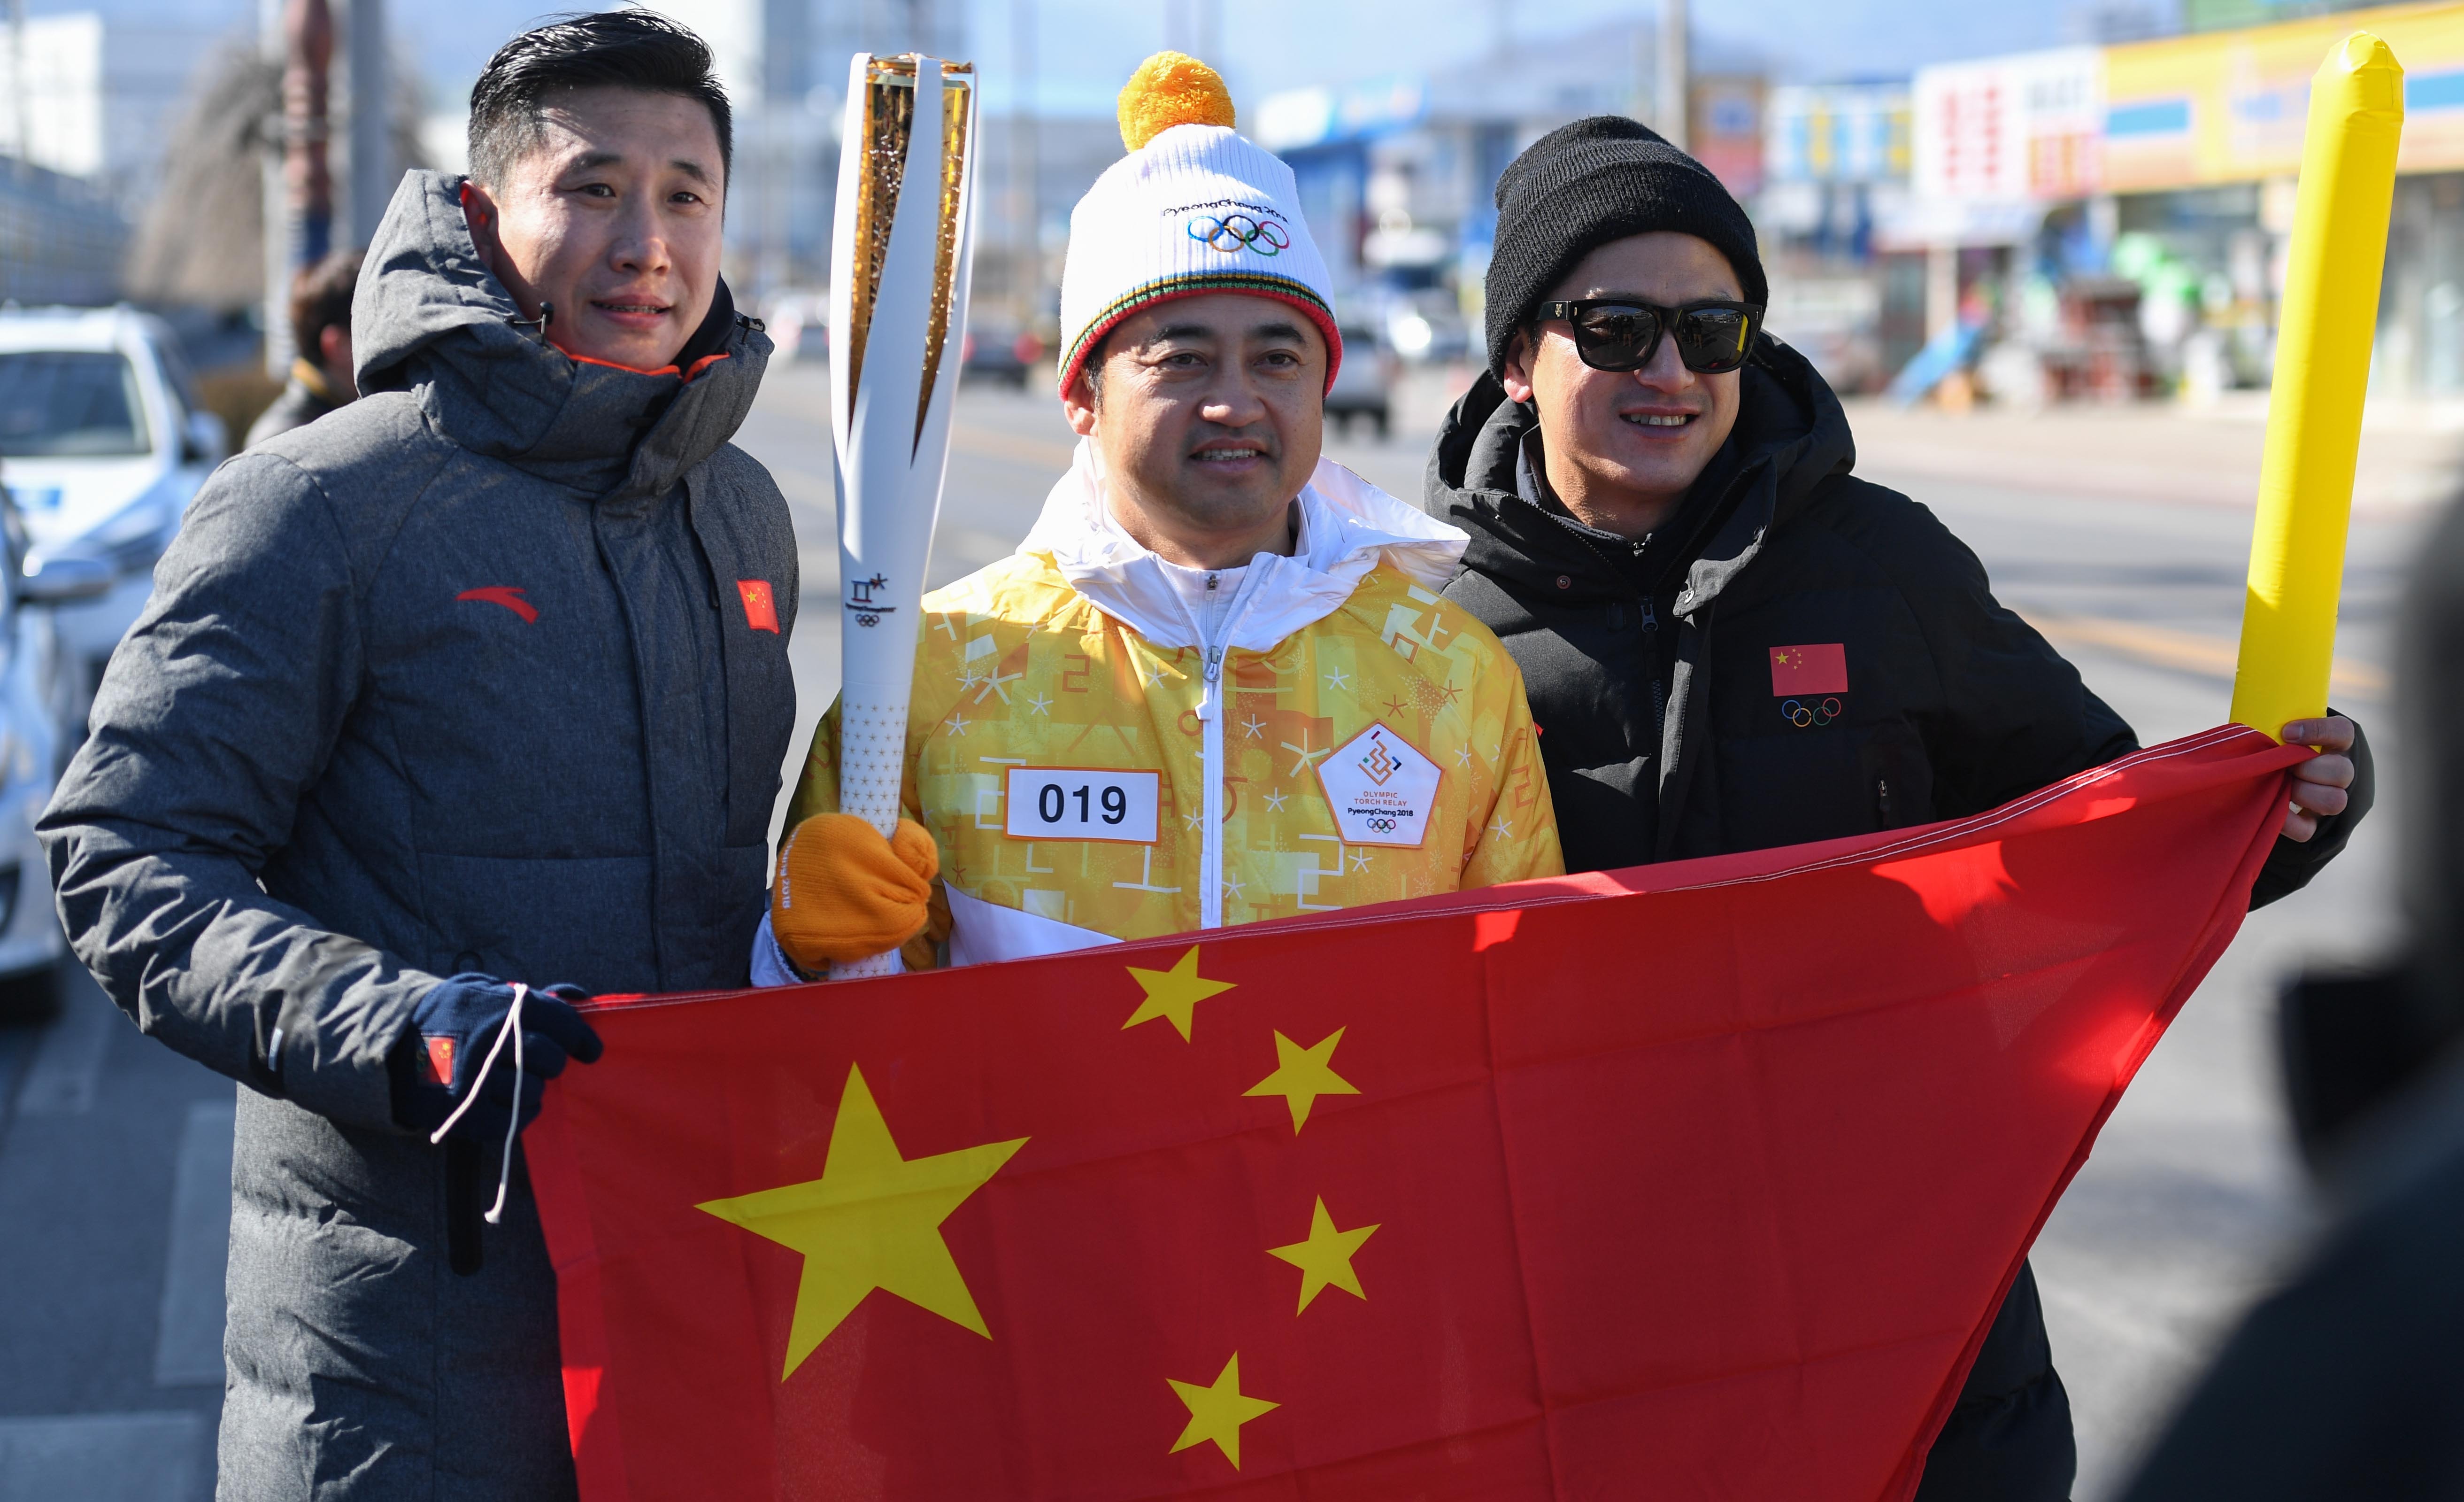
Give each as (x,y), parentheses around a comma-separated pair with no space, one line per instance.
(1713,336)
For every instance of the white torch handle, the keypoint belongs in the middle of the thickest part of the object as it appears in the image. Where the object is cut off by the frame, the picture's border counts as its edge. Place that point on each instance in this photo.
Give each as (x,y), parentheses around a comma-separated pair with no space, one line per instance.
(872,760)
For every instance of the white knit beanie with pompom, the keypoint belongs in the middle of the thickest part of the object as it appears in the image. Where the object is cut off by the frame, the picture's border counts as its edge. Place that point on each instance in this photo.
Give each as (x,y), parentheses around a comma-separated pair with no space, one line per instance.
(1193,208)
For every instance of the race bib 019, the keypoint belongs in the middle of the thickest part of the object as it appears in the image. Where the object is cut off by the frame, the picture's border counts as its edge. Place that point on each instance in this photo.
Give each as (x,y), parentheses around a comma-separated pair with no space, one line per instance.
(1381,788)
(1069,803)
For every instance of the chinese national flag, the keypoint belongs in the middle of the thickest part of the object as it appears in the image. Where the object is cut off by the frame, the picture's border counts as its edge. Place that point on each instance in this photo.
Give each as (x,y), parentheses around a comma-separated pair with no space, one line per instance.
(1697,1180)
(1815,667)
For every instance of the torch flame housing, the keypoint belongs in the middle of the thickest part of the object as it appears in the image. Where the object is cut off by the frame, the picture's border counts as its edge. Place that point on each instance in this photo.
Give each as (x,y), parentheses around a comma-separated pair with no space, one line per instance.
(887,100)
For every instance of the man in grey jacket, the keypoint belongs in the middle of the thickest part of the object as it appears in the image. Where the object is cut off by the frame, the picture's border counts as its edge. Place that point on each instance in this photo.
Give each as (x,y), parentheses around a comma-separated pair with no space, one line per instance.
(482,679)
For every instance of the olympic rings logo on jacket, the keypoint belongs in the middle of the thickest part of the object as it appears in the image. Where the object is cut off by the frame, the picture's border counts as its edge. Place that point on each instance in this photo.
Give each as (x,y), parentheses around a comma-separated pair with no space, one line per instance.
(1231,232)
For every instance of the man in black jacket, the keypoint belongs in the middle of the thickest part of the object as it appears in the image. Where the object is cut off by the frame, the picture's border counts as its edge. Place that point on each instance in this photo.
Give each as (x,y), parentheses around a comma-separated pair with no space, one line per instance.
(1730,642)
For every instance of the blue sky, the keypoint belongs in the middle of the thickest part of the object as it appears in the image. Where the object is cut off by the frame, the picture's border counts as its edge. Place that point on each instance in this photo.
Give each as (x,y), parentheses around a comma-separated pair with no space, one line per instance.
(1087,47)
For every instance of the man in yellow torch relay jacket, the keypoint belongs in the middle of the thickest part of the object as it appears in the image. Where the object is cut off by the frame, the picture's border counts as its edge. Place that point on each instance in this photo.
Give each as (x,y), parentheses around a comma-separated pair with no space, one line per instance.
(1216,684)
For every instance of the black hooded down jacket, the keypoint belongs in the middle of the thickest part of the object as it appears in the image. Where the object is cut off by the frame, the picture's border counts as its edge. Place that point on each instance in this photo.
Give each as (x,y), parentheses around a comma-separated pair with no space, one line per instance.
(1667,733)
(1651,677)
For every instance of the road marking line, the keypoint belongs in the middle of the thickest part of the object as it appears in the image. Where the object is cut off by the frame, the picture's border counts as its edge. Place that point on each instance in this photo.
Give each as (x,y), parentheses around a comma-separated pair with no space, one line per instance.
(2191,651)
(188,1332)
(105,1457)
(68,1063)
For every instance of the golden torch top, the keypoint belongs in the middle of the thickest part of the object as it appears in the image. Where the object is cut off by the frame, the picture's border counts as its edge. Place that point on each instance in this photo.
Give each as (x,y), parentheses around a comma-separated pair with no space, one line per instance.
(889,126)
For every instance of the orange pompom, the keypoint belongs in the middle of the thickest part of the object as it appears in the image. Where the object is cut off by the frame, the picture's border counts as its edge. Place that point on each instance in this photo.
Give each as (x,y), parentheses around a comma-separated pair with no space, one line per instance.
(1170,89)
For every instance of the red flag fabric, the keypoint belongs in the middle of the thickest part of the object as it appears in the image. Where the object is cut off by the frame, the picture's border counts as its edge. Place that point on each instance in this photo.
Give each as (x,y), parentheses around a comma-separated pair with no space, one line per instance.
(1691,1180)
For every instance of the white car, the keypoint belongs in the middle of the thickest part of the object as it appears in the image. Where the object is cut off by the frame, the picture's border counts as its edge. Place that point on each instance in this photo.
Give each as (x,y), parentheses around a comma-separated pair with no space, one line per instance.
(104,444)
(40,686)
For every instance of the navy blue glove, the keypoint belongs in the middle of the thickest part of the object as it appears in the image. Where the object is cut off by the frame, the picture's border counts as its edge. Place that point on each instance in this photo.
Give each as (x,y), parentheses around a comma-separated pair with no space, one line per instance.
(452,1030)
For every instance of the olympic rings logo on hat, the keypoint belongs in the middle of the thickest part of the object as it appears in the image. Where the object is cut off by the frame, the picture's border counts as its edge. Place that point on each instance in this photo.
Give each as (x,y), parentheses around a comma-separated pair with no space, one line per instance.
(1230,232)
(1801,714)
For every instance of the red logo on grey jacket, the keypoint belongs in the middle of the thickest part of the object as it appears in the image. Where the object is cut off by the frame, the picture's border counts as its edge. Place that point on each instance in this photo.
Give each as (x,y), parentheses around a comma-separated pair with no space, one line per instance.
(510,596)
(760,611)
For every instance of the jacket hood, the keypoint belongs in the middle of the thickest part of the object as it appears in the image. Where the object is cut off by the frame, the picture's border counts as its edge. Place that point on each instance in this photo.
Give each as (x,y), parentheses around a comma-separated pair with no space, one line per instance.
(1347,527)
(1791,437)
(428,317)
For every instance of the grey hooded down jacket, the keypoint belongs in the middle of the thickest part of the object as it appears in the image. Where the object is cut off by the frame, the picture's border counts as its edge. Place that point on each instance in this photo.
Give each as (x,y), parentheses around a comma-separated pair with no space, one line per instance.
(485,671)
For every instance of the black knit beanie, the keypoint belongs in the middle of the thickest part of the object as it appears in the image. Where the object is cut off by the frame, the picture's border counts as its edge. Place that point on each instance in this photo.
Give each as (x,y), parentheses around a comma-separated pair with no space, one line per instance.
(1597,180)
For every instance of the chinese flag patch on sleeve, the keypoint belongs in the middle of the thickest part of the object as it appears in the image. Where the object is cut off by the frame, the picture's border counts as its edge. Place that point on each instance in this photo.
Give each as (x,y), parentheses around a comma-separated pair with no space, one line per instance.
(763,615)
(436,1062)
(1817,668)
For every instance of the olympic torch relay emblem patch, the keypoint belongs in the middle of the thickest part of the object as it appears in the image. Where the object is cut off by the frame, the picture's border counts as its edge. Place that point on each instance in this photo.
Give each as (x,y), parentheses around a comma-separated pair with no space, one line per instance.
(1381,788)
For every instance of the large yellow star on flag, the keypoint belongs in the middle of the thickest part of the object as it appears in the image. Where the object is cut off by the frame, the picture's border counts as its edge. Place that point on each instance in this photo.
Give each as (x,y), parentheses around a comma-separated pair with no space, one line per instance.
(873,1219)
(1326,1257)
(1303,1074)
(1173,993)
(1217,1412)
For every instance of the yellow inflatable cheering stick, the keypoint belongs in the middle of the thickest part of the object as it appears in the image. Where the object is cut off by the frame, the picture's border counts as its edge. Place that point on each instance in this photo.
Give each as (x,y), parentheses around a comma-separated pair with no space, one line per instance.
(2323,367)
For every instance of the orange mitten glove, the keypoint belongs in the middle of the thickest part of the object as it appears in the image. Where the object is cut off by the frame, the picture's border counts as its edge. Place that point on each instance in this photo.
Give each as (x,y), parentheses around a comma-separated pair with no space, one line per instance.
(844,892)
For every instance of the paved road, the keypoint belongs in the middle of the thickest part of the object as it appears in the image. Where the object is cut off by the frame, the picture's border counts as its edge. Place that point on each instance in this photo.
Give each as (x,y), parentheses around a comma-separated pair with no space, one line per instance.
(113,1153)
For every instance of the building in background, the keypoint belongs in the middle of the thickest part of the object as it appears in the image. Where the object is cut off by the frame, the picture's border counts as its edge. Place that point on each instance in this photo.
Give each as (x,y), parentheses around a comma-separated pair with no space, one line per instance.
(98,95)
(1837,160)
(61,237)
(2219,15)
(1398,174)
(2112,222)
(86,100)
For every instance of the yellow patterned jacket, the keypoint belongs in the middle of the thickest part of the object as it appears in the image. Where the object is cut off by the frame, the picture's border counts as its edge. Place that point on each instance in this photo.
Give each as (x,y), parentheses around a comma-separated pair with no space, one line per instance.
(1099,760)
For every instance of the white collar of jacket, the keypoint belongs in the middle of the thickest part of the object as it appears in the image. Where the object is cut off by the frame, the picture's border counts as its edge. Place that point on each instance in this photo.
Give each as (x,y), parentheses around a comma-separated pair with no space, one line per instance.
(1347,527)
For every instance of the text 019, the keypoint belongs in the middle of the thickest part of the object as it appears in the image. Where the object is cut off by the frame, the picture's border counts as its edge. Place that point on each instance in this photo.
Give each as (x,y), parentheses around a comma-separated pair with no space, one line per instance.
(1063,802)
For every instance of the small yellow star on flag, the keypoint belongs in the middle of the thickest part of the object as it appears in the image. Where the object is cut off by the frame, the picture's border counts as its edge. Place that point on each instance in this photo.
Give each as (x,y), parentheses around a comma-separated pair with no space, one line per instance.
(1325,1259)
(873,1219)
(1303,1074)
(1174,994)
(1216,1412)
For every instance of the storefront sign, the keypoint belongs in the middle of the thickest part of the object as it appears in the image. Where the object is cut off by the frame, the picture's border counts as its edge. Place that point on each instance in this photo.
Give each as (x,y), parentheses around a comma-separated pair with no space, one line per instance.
(2228,107)
(1727,131)
(1838,132)
(2009,129)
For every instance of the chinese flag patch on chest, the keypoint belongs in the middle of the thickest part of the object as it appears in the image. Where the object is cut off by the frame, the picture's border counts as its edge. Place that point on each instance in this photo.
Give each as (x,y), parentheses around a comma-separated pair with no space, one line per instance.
(1816,668)
(760,613)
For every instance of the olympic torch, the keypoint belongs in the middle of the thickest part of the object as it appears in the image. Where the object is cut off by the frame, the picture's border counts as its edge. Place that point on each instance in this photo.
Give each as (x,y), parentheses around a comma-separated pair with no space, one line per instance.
(899,263)
(2323,367)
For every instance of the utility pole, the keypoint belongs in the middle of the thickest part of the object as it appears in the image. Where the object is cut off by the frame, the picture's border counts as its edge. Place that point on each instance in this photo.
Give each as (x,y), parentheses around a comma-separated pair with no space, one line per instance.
(373,171)
(1025,202)
(785,39)
(20,88)
(307,70)
(274,219)
(1674,80)
(299,188)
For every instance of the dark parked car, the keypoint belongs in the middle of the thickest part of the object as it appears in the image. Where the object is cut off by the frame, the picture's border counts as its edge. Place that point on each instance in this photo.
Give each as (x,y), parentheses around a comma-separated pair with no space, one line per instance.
(996,353)
(1363,382)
